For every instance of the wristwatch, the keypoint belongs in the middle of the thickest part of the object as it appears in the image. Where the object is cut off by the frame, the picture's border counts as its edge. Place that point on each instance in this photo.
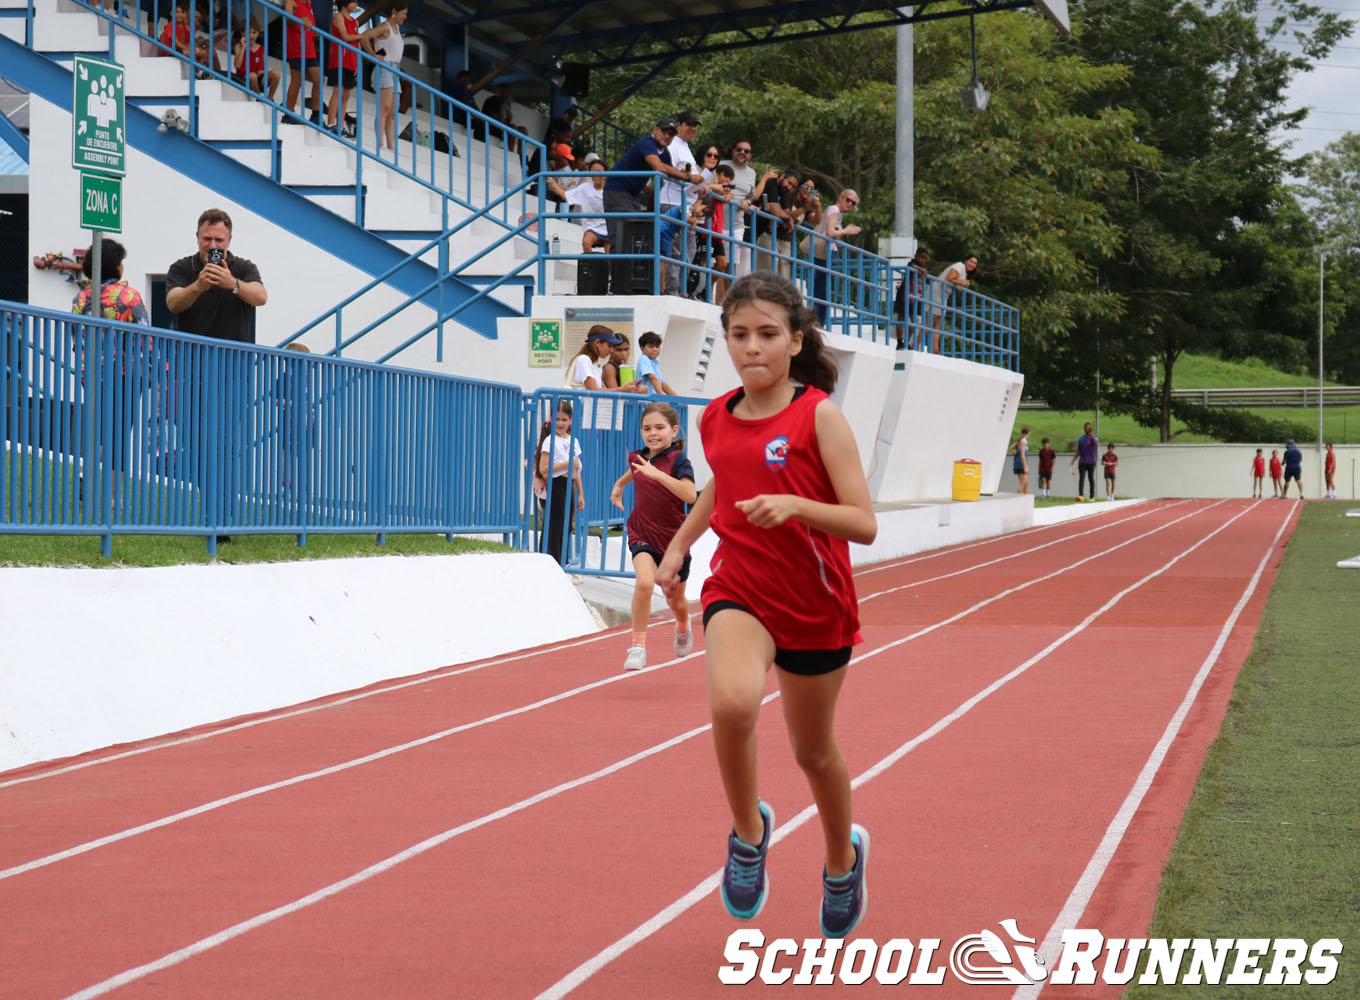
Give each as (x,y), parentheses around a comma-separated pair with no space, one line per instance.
(237,289)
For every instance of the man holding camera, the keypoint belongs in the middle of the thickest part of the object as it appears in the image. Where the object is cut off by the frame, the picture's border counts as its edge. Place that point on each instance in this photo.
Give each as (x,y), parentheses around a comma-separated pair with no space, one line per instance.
(214,293)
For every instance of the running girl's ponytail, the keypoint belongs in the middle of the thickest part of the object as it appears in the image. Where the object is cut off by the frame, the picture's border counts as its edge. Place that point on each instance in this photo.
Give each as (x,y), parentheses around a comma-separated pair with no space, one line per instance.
(813,364)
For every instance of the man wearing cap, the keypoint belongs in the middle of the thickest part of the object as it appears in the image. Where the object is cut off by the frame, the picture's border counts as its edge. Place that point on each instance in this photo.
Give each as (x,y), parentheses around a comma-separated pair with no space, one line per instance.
(686,128)
(1293,467)
(624,194)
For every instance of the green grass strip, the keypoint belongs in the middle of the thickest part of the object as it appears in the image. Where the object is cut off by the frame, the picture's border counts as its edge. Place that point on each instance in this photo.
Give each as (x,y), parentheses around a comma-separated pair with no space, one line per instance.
(177,550)
(1270,844)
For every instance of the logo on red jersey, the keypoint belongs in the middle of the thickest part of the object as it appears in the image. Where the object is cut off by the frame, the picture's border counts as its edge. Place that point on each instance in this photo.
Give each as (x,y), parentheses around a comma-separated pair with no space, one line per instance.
(777,453)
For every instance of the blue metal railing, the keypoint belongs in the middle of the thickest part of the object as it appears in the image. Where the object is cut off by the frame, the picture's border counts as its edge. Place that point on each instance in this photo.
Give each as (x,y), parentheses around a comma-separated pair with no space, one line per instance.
(605,427)
(853,290)
(109,428)
(468,177)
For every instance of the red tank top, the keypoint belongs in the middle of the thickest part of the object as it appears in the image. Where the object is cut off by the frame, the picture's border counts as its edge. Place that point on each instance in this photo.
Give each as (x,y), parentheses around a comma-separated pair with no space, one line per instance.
(344,58)
(795,579)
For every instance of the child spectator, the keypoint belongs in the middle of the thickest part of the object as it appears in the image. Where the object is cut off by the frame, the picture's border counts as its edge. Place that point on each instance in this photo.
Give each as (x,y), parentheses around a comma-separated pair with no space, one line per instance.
(248,61)
(559,466)
(1276,474)
(678,238)
(1046,457)
(1109,460)
(343,66)
(663,484)
(787,497)
(1329,471)
(649,365)
(302,58)
(611,373)
(1258,474)
(586,370)
(1020,465)
(177,35)
(588,198)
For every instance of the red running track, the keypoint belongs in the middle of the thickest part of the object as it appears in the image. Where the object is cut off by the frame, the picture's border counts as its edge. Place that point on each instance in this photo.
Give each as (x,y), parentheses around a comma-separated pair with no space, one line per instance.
(1026,719)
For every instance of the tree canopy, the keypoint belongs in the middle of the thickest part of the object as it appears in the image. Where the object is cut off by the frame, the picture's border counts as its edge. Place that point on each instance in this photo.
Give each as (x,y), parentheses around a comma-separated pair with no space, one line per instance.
(1125,187)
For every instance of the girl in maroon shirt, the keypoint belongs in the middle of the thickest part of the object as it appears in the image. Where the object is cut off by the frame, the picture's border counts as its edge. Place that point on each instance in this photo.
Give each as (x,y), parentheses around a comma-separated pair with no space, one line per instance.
(788,494)
(663,483)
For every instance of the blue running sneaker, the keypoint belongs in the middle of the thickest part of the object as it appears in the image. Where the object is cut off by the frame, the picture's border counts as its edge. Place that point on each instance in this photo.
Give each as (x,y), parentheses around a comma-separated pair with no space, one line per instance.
(744,883)
(844,899)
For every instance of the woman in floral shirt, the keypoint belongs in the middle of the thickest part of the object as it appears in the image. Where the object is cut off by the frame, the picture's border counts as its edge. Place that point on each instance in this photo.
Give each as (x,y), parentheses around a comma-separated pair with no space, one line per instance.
(117,300)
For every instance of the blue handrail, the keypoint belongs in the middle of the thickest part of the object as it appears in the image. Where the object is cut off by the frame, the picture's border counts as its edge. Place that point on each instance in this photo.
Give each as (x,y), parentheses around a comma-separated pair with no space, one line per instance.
(425,166)
(111,428)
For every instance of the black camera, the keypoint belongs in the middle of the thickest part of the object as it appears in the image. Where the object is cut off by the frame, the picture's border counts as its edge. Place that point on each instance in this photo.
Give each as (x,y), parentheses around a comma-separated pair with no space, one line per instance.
(216,255)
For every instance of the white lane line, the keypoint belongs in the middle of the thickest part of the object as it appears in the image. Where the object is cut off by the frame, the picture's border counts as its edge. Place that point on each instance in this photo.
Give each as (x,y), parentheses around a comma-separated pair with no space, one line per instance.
(598,961)
(1105,851)
(332,703)
(445,675)
(1014,555)
(250,793)
(1143,509)
(675,909)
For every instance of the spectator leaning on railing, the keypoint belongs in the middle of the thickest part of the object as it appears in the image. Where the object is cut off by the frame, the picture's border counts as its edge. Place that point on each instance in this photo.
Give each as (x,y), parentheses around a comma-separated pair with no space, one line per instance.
(743,183)
(624,194)
(956,275)
(823,247)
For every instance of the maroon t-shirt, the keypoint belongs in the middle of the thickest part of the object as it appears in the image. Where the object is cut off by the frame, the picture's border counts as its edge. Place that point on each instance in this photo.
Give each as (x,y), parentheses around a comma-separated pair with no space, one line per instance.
(657,512)
(795,579)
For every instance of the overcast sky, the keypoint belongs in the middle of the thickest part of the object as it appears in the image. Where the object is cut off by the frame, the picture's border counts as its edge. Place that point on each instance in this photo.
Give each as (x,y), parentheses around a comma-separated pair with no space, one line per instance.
(1329,91)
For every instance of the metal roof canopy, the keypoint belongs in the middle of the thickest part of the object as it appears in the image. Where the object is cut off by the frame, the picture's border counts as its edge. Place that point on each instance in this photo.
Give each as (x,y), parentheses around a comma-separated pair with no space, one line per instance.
(633,32)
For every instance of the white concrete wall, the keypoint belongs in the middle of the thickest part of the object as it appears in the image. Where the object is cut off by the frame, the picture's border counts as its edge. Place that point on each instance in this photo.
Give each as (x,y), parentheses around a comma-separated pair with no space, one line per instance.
(1195,470)
(155,651)
(940,410)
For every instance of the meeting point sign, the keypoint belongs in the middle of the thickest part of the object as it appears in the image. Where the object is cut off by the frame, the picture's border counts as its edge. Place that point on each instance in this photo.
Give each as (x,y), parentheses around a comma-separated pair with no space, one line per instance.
(1009,958)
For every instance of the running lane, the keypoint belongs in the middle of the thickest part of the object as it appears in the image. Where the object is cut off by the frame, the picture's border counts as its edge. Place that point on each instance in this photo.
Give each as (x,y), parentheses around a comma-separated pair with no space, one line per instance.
(512,903)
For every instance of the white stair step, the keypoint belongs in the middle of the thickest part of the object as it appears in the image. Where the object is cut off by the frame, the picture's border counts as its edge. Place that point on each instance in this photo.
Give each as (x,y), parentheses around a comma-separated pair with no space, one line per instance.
(69,31)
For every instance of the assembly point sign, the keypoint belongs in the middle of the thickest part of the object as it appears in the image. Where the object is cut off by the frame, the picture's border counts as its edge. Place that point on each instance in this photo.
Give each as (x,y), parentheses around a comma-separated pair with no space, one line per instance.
(98,119)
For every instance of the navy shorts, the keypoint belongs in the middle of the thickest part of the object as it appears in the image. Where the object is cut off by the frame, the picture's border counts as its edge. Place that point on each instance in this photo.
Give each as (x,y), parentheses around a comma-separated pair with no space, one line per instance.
(1293,473)
(634,548)
(299,62)
(343,78)
(806,662)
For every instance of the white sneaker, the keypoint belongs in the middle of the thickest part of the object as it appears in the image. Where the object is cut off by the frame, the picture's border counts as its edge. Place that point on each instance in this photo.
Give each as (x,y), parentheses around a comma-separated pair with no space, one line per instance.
(637,658)
(684,643)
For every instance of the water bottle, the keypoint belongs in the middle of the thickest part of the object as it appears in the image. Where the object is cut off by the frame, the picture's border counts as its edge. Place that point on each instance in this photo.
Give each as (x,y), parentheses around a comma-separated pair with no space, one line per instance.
(556,246)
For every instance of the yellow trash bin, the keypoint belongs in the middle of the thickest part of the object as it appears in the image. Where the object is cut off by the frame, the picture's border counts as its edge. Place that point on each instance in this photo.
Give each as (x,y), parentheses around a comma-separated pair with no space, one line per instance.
(967,479)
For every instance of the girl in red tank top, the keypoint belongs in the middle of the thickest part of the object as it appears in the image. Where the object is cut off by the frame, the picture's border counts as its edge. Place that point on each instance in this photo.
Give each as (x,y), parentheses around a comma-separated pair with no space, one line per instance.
(787,496)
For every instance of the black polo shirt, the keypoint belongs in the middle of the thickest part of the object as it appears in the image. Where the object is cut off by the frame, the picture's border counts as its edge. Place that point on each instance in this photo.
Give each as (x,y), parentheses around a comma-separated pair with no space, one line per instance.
(219,312)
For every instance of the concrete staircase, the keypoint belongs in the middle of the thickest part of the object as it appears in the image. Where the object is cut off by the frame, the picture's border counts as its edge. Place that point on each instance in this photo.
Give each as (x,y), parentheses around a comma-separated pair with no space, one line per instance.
(378,196)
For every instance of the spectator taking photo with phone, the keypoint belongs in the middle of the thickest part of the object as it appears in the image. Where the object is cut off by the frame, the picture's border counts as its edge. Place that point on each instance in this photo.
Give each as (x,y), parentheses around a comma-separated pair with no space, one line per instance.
(213,292)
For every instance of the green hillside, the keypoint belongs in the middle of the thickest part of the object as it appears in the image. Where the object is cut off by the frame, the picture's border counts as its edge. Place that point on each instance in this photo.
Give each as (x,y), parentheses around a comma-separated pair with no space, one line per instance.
(1340,424)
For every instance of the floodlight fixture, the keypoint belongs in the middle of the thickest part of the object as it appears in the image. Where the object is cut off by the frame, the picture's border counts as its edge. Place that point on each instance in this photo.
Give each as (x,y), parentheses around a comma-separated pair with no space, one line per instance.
(974,96)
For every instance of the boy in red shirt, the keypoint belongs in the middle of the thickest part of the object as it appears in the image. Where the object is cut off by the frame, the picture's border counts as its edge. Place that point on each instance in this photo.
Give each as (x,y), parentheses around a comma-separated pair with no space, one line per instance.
(1109,460)
(1276,473)
(1258,474)
(1046,456)
(177,34)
